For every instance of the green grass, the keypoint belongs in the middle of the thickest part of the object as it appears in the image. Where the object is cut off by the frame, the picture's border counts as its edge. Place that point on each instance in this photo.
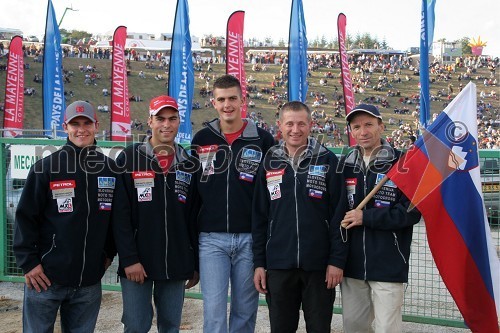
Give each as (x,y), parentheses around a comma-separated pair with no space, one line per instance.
(149,87)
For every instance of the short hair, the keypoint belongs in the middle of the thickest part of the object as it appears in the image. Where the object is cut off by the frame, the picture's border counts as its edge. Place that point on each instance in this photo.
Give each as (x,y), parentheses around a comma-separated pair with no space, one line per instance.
(227,81)
(295,106)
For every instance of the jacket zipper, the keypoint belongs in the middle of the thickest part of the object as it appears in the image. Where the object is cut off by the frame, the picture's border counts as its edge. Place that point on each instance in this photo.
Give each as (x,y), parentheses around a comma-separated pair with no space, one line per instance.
(227,188)
(86,226)
(165,185)
(53,246)
(297,218)
(364,228)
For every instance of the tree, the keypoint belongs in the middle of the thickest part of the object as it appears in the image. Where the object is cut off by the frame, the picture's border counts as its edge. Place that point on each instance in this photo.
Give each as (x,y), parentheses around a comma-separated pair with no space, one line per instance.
(384,45)
(466,48)
(281,42)
(324,42)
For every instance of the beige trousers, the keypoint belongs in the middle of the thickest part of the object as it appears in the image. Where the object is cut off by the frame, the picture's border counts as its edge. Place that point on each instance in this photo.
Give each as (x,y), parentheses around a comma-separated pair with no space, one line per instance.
(370,302)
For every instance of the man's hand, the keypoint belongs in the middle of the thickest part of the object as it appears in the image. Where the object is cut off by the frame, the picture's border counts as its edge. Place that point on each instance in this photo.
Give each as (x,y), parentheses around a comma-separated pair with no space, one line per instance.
(333,276)
(37,279)
(352,219)
(136,273)
(193,281)
(259,280)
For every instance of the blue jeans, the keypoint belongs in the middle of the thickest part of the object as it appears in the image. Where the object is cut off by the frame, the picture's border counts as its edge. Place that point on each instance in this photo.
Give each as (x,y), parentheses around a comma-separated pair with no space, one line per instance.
(79,308)
(168,298)
(227,257)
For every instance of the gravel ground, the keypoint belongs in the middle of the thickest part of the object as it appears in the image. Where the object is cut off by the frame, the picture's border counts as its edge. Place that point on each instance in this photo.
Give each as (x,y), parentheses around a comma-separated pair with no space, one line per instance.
(109,317)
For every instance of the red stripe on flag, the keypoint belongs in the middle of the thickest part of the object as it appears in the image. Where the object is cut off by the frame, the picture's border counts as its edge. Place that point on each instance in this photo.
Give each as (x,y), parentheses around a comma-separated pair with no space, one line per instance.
(457,267)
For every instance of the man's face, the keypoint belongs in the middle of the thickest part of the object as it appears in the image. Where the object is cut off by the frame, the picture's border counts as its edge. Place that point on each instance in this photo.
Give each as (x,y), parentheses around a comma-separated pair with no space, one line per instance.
(164,127)
(295,127)
(367,131)
(228,103)
(81,131)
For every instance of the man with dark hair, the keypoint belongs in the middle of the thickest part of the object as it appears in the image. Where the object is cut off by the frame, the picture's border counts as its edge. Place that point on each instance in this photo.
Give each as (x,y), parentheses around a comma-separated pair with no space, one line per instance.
(379,235)
(299,201)
(156,241)
(230,150)
(63,240)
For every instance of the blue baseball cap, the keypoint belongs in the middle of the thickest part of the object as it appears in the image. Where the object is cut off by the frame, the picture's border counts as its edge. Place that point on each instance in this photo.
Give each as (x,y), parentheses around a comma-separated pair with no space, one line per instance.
(372,110)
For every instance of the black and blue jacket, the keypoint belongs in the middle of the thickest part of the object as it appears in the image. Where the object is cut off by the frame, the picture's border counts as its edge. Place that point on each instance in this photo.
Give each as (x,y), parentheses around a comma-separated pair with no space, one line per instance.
(297,211)
(379,250)
(154,213)
(63,218)
(226,178)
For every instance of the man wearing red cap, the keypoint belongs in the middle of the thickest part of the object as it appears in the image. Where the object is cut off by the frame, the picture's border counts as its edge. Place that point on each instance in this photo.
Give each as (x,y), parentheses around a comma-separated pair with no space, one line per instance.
(154,204)
(62,240)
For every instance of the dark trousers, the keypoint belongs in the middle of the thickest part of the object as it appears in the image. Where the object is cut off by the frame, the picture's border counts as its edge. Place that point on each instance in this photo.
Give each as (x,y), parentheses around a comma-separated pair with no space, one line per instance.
(291,288)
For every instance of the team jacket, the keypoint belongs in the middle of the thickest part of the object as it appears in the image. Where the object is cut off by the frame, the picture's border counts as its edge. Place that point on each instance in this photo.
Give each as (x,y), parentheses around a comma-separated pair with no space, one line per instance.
(297,213)
(380,249)
(63,219)
(152,212)
(227,176)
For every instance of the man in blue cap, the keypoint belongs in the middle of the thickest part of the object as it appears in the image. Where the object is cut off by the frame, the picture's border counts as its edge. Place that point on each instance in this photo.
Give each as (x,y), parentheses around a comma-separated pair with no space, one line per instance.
(379,235)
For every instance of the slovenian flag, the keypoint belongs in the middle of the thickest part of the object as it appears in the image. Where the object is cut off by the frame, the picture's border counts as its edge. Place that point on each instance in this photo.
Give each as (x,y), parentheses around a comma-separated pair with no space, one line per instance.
(105,206)
(315,194)
(441,176)
(246,176)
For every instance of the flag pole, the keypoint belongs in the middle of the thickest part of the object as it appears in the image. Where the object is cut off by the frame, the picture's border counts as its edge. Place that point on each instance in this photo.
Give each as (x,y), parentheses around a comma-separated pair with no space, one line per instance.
(370,195)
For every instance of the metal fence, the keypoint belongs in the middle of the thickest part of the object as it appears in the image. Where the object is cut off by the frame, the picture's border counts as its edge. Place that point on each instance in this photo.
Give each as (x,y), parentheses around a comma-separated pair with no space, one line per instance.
(426,298)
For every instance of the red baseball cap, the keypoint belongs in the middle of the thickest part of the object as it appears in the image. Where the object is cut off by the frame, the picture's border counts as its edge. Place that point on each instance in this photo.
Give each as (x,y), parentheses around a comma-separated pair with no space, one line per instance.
(161,102)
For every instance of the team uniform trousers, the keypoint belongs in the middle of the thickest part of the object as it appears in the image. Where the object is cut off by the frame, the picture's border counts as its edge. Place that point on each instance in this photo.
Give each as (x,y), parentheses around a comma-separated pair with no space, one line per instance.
(288,289)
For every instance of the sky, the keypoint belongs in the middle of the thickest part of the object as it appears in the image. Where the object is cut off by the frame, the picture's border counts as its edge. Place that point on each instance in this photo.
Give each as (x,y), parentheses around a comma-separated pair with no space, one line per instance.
(396,21)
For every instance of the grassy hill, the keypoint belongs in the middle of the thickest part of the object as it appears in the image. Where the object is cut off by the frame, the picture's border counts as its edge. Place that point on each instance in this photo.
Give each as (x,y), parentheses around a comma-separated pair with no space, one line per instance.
(149,87)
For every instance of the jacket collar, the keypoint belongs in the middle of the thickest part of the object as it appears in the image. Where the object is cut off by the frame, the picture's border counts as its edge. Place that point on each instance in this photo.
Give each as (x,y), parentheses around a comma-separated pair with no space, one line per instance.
(250,132)
(147,149)
(386,154)
(314,148)
(79,151)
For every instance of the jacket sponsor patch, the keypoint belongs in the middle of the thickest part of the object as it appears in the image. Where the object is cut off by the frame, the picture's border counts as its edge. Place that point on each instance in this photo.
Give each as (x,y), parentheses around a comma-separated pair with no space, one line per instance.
(106,182)
(62,184)
(143,179)
(275,176)
(207,158)
(274,191)
(389,182)
(182,176)
(350,184)
(318,170)
(251,154)
(144,194)
(63,189)
(65,205)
